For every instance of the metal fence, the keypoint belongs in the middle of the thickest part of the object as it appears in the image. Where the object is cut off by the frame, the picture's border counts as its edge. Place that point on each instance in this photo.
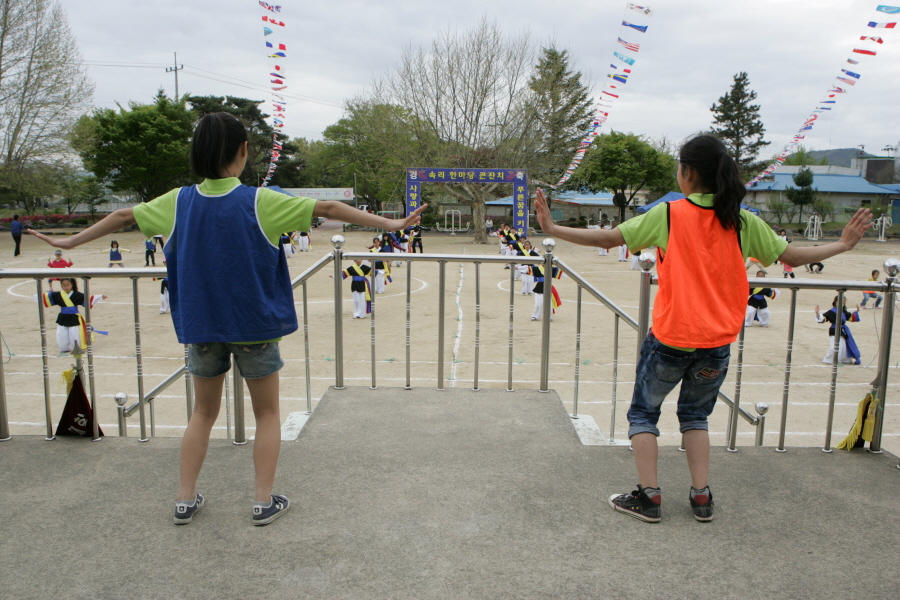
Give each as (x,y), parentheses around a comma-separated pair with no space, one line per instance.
(337,257)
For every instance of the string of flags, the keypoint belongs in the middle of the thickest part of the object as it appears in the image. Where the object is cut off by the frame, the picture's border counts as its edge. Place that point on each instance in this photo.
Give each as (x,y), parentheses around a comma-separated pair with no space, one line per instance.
(843,82)
(273,31)
(619,72)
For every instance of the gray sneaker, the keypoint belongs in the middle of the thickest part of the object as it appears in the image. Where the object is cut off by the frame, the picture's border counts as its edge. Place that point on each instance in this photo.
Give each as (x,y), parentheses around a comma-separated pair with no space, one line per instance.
(264,516)
(185,512)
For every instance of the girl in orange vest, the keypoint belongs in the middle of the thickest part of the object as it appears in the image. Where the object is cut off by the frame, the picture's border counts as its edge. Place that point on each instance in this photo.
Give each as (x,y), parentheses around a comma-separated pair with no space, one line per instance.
(699,309)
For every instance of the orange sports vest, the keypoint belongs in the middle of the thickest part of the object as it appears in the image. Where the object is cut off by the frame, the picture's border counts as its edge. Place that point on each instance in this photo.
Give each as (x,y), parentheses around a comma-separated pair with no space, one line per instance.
(702,281)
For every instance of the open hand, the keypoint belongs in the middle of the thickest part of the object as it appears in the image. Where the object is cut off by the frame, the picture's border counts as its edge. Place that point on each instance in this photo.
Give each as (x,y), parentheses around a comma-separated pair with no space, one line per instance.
(856,227)
(542,210)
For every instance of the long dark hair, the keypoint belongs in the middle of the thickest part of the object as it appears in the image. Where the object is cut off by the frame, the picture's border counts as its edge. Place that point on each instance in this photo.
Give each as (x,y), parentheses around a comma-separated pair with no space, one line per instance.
(217,139)
(72,281)
(719,174)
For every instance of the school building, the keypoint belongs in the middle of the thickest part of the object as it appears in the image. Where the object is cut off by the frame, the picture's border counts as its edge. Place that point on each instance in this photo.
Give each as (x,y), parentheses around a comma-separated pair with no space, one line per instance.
(845,187)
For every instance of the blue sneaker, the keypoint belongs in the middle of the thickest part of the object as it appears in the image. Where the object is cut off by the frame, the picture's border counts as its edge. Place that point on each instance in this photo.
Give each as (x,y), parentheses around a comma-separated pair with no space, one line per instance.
(263,515)
(184,512)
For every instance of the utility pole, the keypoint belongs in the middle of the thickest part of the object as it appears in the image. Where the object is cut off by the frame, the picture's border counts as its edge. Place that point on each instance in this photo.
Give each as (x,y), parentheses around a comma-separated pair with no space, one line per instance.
(175,70)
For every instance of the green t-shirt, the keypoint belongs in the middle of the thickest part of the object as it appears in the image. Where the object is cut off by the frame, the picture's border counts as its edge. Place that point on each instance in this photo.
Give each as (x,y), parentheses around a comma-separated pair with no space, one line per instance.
(276,212)
(652,229)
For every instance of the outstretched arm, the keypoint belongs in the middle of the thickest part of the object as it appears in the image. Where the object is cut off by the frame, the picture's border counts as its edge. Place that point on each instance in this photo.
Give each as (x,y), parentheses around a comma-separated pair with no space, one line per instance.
(348,214)
(109,224)
(603,238)
(853,232)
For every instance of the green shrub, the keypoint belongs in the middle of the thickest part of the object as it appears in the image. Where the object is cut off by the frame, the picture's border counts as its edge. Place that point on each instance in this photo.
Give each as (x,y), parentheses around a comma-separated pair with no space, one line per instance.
(80,221)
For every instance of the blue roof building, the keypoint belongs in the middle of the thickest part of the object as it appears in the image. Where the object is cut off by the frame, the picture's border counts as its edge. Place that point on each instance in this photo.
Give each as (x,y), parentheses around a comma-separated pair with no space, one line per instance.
(847,192)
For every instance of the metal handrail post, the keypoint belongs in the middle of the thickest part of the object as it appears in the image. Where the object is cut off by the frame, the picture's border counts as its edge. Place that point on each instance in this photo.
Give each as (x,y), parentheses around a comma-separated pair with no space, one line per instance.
(44,357)
(892,268)
(512,314)
(477,322)
(612,417)
(4,415)
(338,243)
(90,358)
(835,360)
(643,310)
(374,385)
(577,353)
(792,319)
(761,409)
(442,284)
(548,244)
(139,358)
(733,414)
(306,351)
(240,430)
(408,325)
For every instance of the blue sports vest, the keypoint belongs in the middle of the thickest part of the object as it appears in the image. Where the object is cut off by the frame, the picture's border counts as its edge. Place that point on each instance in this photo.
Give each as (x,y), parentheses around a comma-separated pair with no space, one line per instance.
(115,255)
(227,282)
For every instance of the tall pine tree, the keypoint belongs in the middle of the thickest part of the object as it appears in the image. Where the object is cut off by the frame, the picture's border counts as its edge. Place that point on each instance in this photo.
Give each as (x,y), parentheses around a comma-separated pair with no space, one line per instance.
(736,121)
(563,106)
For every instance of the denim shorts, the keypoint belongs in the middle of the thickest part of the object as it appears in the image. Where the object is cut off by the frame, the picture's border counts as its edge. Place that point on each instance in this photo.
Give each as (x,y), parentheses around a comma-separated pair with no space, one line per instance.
(660,368)
(253,360)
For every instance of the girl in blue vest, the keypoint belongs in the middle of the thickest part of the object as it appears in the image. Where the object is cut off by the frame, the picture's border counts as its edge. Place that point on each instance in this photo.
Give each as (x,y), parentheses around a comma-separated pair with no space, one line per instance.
(220,231)
(702,242)
(115,254)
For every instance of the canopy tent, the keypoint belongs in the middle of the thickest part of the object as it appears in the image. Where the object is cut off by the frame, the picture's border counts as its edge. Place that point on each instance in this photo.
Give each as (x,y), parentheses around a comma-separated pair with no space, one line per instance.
(676,196)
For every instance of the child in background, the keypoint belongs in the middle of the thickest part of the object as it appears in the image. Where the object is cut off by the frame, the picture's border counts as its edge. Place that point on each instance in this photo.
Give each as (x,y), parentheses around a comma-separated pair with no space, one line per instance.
(57,262)
(757,307)
(702,242)
(848,353)
(71,329)
(872,294)
(149,252)
(115,254)
(222,231)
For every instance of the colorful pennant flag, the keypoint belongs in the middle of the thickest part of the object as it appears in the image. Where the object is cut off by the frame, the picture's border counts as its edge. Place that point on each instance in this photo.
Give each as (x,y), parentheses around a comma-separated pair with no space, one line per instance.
(852,62)
(851,74)
(630,46)
(891,10)
(625,59)
(866,52)
(882,25)
(276,72)
(270,7)
(641,9)
(641,28)
(875,39)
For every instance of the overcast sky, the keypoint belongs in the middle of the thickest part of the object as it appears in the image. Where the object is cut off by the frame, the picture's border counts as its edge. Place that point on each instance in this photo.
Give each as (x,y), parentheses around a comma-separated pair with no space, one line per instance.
(791,49)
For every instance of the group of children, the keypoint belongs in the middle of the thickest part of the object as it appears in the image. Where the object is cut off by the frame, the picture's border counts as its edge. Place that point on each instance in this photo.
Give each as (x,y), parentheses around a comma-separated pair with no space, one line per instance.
(222,230)
(295,241)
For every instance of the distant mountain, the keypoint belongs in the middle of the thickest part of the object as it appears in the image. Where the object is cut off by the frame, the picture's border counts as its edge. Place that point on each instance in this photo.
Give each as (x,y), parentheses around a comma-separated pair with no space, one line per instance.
(839,157)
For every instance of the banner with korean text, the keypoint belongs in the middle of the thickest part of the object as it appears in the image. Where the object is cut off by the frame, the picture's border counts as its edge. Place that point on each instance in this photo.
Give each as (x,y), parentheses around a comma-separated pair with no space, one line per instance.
(517,177)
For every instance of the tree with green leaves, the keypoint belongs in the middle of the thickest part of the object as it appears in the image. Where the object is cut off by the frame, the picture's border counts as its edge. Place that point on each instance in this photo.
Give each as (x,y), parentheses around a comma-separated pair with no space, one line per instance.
(736,121)
(804,193)
(802,157)
(470,106)
(143,149)
(624,164)
(563,111)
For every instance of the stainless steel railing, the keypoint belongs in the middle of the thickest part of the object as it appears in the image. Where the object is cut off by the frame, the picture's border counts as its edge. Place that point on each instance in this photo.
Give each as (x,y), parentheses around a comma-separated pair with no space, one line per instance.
(548,261)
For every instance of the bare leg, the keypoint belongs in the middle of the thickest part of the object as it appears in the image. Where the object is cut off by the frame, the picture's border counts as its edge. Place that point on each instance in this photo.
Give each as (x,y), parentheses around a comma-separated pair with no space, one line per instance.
(645,455)
(696,443)
(267,444)
(207,400)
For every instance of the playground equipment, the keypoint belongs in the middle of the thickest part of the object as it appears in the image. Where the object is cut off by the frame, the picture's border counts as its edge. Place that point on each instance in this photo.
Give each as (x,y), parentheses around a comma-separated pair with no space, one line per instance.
(814,228)
(455,218)
(881,225)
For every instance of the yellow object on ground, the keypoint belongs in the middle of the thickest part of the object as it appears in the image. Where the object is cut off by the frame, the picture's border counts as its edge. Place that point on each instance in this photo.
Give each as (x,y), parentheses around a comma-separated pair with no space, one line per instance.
(864,426)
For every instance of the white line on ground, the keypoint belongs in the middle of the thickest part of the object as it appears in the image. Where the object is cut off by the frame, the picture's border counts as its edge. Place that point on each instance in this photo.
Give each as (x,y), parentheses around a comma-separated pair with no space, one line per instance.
(454,360)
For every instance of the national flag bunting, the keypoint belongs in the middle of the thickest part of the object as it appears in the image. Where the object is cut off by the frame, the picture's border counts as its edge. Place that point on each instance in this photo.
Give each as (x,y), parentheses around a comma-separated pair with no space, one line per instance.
(625,59)
(882,25)
(641,28)
(873,38)
(891,10)
(271,7)
(851,74)
(847,81)
(630,46)
(641,9)
(866,52)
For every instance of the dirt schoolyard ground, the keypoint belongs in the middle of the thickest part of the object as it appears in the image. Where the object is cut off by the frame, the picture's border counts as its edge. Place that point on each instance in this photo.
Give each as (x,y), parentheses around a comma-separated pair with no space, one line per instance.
(763,370)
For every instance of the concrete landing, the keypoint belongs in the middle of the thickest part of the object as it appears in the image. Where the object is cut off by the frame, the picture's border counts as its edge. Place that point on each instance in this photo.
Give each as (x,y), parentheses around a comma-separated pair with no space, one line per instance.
(456,494)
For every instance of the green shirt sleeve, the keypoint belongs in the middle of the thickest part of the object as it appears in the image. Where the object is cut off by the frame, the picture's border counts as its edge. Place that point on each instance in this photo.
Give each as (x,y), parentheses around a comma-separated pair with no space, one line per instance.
(157,217)
(279,213)
(649,229)
(759,240)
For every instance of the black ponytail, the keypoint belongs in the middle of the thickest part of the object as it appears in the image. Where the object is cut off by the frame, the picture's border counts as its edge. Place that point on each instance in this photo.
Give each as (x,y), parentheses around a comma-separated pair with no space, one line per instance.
(719,174)
(217,139)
